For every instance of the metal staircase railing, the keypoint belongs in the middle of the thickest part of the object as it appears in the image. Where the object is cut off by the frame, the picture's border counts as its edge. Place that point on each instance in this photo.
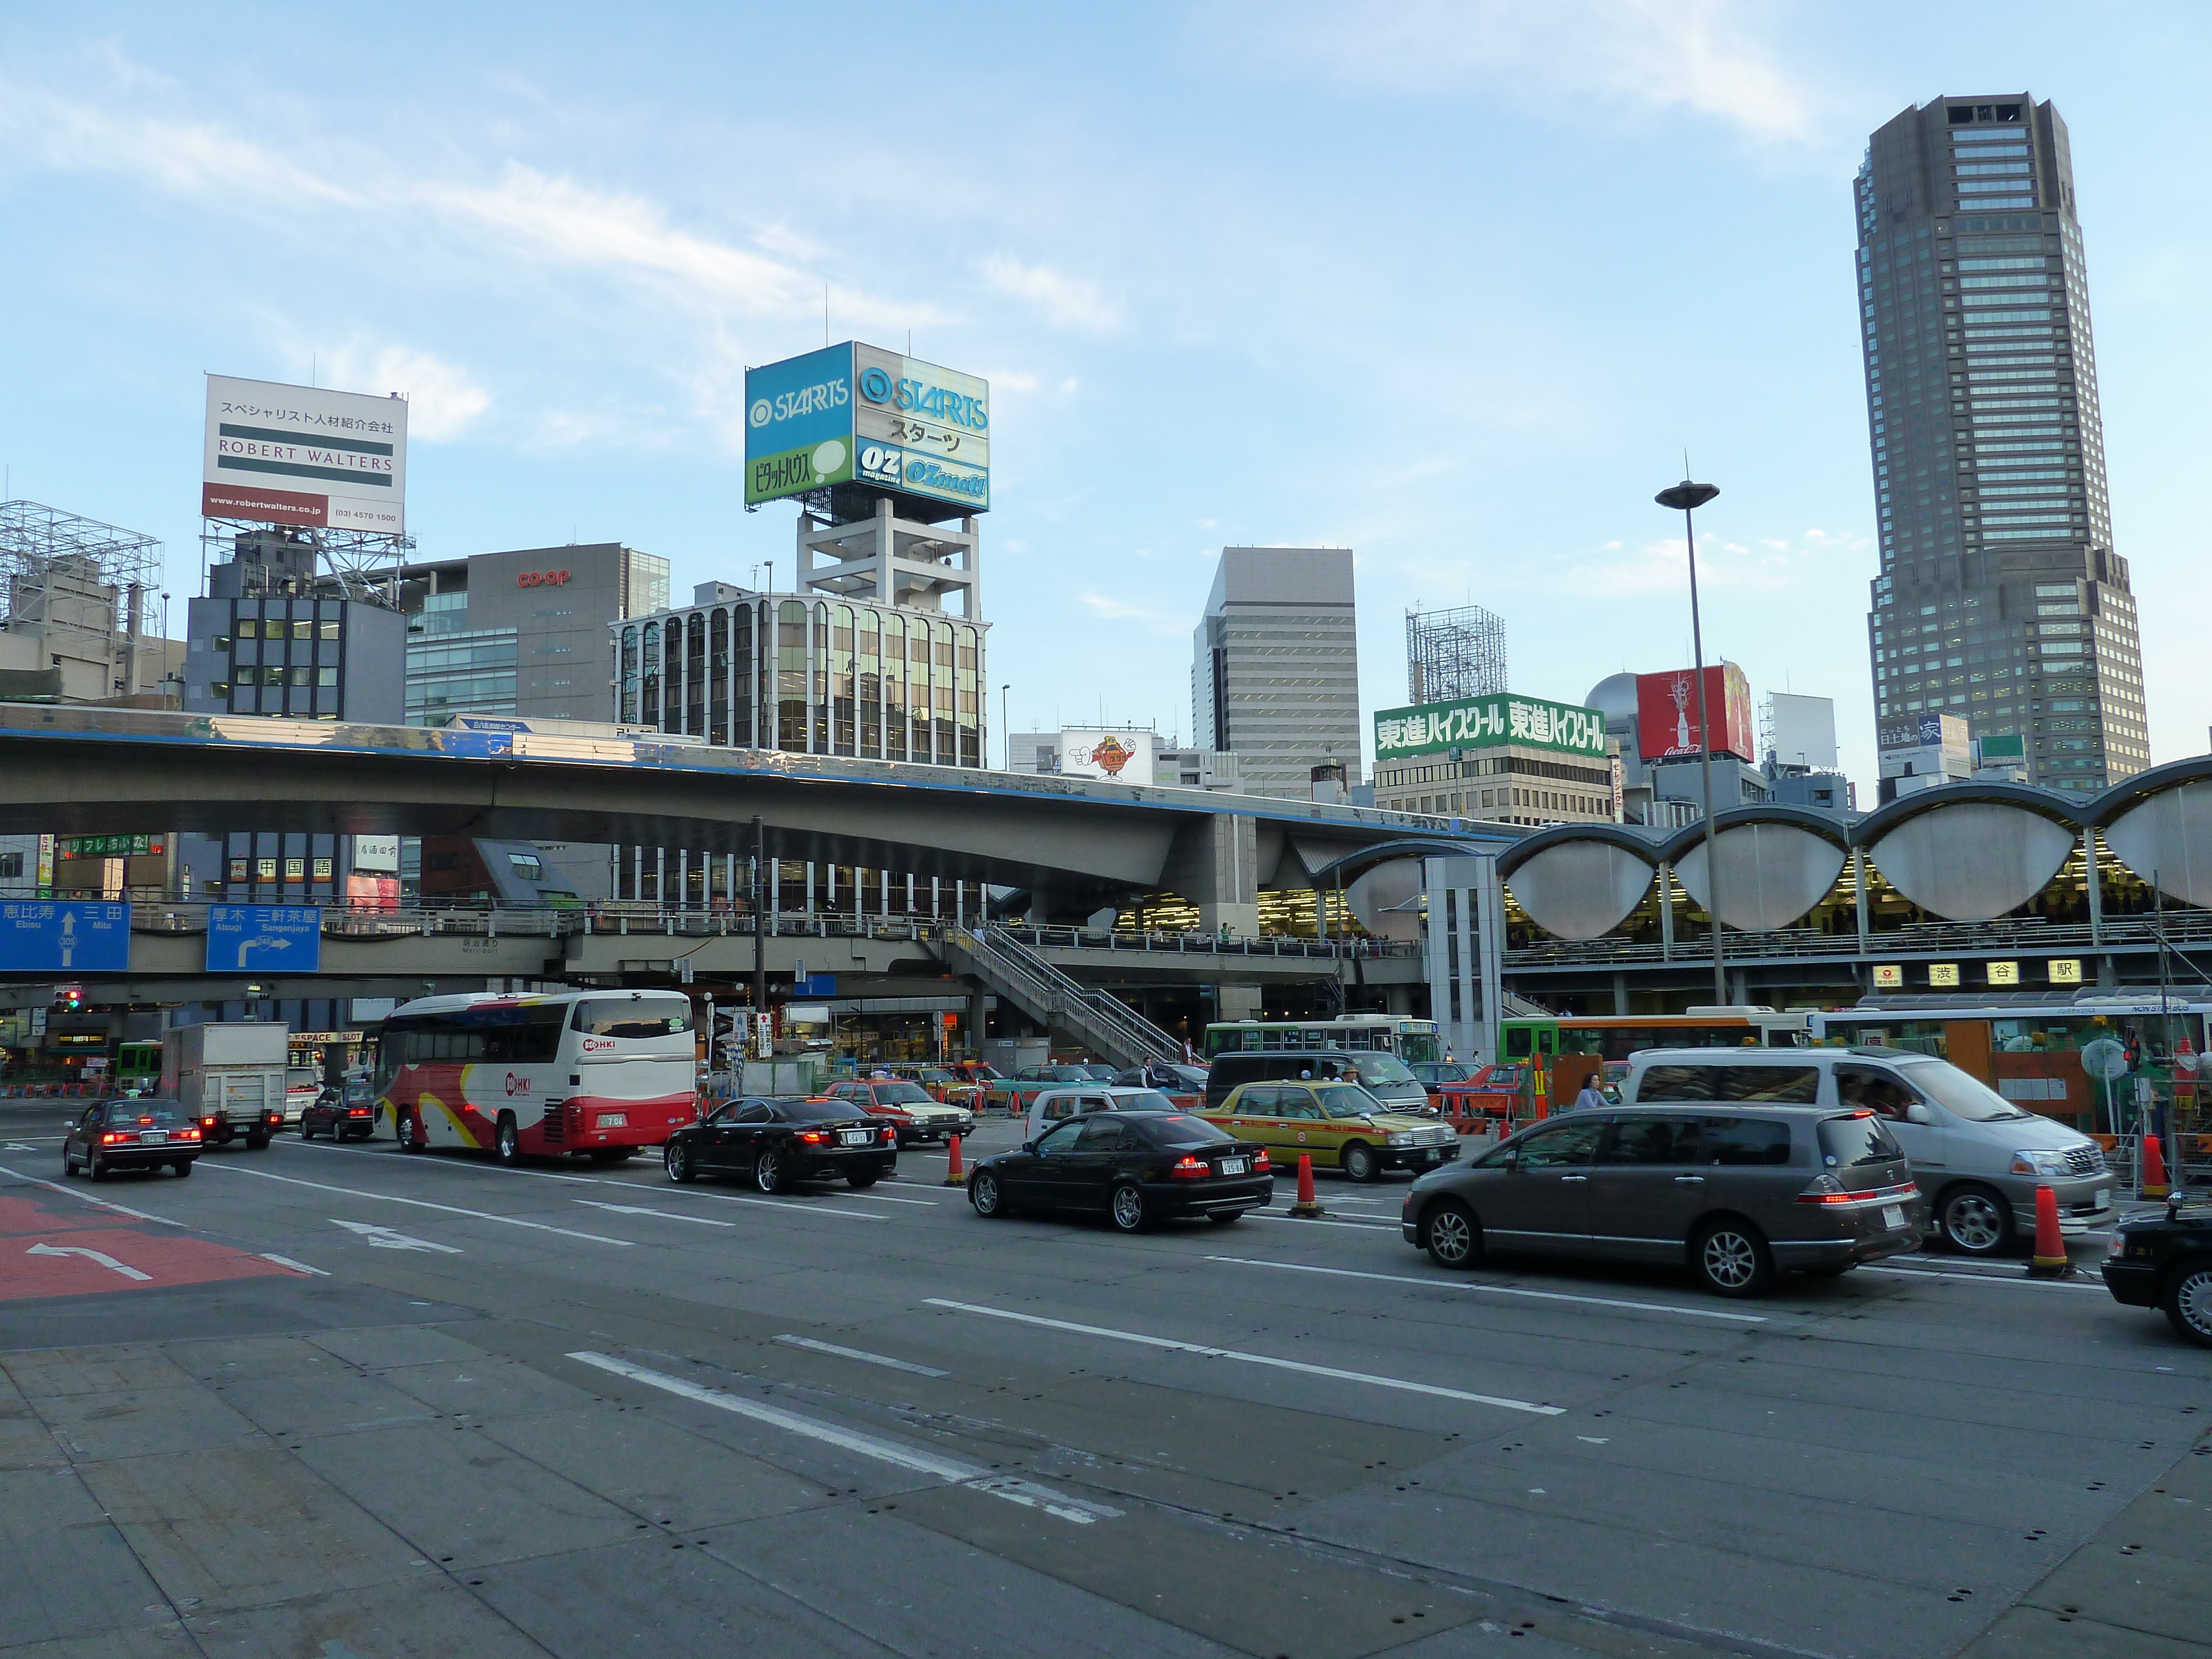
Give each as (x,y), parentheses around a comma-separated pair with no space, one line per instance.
(1052,998)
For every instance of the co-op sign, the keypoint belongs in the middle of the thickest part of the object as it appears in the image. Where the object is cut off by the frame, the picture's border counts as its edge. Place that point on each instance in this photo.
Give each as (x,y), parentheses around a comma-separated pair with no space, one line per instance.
(857,413)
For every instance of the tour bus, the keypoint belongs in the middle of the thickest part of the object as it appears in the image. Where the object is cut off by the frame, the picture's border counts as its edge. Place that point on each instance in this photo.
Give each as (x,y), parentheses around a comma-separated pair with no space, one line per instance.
(1573,1047)
(1414,1040)
(596,1072)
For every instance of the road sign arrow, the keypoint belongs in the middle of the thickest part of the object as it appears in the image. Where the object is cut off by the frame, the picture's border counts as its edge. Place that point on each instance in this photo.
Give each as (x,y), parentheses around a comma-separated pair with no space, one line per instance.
(666,1215)
(99,1256)
(383,1238)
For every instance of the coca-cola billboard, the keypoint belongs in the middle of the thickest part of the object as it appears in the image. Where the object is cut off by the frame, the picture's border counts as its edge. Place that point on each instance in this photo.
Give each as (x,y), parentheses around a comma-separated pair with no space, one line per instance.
(1666,714)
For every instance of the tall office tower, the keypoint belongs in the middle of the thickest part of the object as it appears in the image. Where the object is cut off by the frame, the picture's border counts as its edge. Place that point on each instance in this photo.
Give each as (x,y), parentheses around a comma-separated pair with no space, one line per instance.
(1452,654)
(1274,674)
(2000,597)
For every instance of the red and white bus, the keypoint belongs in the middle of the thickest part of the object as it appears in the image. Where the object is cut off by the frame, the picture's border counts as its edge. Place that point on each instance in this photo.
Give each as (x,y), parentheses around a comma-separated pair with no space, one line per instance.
(600,1073)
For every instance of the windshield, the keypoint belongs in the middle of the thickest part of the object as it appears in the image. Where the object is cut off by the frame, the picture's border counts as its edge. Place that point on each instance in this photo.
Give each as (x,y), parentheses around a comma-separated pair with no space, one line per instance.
(1419,1046)
(814,1111)
(1151,1101)
(901,1094)
(1954,1091)
(1176,1130)
(154,1114)
(633,1017)
(1850,1142)
(1381,1068)
(1349,1100)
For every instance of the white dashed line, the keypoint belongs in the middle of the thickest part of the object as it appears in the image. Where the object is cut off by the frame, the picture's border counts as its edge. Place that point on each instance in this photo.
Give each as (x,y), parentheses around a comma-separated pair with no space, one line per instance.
(425,1204)
(862,1354)
(1477,1288)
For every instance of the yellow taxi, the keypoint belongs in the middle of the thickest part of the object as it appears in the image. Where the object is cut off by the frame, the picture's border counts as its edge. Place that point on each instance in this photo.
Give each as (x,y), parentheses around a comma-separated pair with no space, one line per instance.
(1340,1125)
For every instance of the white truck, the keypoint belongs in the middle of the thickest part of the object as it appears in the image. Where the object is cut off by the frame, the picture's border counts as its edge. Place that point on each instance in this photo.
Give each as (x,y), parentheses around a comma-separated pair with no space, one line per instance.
(229,1078)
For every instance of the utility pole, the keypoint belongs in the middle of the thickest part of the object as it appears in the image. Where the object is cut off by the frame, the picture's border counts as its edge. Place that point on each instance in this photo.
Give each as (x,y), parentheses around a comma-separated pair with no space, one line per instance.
(760,935)
(1688,497)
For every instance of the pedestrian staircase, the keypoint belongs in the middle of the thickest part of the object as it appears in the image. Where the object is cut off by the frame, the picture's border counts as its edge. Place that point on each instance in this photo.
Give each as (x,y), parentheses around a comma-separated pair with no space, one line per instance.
(1103,1024)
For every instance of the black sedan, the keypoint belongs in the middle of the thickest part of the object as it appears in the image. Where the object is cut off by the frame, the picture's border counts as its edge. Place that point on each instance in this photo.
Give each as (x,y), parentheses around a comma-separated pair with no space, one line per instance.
(1137,1167)
(780,1141)
(131,1134)
(344,1114)
(2165,1261)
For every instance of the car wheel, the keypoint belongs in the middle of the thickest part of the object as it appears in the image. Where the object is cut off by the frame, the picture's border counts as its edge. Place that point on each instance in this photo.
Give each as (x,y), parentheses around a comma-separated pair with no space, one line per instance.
(862,1181)
(307,1131)
(506,1140)
(983,1193)
(94,1167)
(1223,1218)
(1730,1258)
(69,1166)
(184,1166)
(407,1129)
(1126,1209)
(767,1173)
(677,1161)
(1451,1235)
(1975,1221)
(2189,1301)
(1358,1161)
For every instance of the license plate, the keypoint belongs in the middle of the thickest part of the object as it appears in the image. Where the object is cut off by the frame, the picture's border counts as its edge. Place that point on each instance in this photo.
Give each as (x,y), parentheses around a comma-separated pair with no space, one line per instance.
(1892,1215)
(1235,1165)
(856,1137)
(2101,1197)
(614,1120)
(153,1137)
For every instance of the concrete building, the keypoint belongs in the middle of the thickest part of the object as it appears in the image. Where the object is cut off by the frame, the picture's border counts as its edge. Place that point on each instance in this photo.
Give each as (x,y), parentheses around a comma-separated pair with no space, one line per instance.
(78,615)
(2001,597)
(1274,674)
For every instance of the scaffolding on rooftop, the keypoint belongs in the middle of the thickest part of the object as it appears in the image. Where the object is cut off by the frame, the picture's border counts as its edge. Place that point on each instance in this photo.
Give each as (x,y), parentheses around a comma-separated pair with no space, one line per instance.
(1452,654)
(356,564)
(46,554)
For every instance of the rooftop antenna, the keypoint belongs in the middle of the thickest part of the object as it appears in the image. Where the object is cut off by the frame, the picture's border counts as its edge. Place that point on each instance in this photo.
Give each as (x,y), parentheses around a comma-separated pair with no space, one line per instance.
(825,316)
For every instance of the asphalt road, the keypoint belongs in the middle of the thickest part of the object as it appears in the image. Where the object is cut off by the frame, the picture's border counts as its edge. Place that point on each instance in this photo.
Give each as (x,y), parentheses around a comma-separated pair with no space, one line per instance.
(337,1401)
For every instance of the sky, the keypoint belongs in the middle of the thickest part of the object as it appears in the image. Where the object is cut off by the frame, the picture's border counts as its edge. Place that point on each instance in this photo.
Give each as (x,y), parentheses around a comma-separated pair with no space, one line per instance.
(1456,286)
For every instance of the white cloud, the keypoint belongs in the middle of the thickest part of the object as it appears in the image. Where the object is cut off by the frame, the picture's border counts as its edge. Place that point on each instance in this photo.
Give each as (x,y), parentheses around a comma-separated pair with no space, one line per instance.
(443,401)
(1112,610)
(1071,302)
(1769,564)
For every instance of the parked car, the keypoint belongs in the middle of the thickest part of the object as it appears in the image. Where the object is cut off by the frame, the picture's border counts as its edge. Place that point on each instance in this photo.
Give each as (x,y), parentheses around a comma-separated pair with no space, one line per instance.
(144,1132)
(2164,1260)
(1169,1079)
(303,1086)
(1012,1095)
(779,1141)
(347,1113)
(1053,1105)
(943,1083)
(1433,1074)
(1383,1075)
(1978,1157)
(1738,1195)
(1340,1125)
(907,1106)
(1136,1168)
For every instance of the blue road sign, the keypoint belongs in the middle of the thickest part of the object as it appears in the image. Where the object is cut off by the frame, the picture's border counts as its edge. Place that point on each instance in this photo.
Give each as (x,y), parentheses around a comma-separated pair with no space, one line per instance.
(36,934)
(265,939)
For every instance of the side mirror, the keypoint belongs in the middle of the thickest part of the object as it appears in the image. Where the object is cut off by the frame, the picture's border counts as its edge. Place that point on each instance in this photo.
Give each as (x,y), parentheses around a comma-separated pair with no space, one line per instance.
(1028,1145)
(1513,1160)
(1917,1112)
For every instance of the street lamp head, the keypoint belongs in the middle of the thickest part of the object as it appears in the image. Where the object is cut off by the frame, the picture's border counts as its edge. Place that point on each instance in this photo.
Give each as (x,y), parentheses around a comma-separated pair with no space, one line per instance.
(1684,495)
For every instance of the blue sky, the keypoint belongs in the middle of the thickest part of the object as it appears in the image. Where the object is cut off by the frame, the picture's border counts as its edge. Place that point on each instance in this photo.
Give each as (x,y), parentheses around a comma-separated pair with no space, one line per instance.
(1452,285)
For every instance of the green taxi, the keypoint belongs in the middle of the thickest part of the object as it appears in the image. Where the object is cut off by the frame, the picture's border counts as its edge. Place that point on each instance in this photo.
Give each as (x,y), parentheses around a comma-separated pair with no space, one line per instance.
(1340,1125)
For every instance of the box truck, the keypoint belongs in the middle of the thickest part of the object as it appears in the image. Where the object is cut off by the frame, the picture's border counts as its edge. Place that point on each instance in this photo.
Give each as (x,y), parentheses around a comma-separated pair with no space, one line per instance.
(229,1078)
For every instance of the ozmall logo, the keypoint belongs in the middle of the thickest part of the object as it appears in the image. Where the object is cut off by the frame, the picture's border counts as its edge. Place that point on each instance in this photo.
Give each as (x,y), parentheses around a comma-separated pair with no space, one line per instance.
(541,578)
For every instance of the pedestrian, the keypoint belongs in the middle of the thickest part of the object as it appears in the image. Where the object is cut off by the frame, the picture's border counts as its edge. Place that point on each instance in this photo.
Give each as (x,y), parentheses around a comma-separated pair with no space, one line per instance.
(1591,1095)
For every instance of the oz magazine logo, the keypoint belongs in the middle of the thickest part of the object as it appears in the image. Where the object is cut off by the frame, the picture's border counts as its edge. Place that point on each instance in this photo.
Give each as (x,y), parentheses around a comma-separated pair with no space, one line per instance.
(762,413)
(876,385)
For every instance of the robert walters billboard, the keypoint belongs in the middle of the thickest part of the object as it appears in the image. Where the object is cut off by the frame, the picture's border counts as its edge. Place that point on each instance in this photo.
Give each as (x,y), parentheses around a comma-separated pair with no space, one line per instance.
(1489,723)
(858,413)
(296,454)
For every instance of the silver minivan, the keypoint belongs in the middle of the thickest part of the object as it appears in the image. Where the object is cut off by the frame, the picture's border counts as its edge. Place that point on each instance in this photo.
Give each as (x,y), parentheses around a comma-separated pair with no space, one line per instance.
(1977,1157)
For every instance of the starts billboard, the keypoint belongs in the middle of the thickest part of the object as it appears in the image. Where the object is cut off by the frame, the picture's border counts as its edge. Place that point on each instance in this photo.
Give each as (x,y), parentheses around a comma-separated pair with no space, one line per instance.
(1119,756)
(296,454)
(856,413)
(1666,714)
(1488,723)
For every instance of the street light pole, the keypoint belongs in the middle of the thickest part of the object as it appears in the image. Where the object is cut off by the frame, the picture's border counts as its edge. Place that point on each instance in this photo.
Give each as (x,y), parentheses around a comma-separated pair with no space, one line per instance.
(1006,725)
(1688,497)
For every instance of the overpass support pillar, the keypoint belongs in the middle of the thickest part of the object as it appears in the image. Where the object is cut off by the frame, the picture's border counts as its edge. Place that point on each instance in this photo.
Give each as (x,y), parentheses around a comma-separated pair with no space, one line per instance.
(1237,1002)
(1464,940)
(1215,864)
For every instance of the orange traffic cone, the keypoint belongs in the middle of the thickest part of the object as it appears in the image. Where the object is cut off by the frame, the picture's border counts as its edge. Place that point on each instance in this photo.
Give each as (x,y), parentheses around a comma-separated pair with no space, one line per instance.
(954,1174)
(2152,1184)
(1308,1205)
(2050,1260)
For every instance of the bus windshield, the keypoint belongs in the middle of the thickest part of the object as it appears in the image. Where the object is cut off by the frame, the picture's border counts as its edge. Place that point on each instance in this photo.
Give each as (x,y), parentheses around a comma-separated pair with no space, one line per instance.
(633,1017)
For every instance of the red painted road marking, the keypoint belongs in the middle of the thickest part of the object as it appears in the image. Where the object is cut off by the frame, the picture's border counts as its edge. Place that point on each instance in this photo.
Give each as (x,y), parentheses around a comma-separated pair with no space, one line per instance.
(58,1269)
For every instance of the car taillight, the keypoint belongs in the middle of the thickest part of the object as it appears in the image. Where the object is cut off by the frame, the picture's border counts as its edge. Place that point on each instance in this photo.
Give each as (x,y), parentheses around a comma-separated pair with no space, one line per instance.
(357,1112)
(207,1123)
(1260,1163)
(813,1137)
(1189,1169)
(188,1134)
(113,1140)
(891,1136)
(1826,1190)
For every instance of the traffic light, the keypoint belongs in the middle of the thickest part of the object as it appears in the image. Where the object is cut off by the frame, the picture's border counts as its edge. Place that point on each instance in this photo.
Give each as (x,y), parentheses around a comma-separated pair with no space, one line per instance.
(70,998)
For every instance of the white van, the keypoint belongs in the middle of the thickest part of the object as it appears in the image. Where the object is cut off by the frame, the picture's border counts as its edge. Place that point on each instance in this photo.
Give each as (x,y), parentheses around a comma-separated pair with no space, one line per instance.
(1051,1106)
(1978,1157)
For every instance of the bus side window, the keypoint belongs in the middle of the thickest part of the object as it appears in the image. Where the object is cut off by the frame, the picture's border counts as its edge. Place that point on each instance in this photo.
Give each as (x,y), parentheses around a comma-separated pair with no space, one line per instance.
(1547,1038)
(1517,1041)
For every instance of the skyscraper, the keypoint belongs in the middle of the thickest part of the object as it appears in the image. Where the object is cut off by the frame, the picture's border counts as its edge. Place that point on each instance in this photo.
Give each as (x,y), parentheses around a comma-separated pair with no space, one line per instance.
(2001,597)
(1274,674)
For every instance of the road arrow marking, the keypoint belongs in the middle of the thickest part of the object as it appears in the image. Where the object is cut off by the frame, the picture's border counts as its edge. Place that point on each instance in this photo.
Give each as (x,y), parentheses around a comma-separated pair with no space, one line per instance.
(383,1238)
(101,1257)
(639,1209)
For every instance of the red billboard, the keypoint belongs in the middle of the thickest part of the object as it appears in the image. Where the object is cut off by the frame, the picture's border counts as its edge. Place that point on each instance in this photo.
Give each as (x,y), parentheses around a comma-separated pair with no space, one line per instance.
(1666,714)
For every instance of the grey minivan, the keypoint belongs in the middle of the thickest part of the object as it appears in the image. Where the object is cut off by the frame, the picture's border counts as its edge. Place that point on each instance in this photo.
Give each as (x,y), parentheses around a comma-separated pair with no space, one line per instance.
(1977,1156)
(1736,1193)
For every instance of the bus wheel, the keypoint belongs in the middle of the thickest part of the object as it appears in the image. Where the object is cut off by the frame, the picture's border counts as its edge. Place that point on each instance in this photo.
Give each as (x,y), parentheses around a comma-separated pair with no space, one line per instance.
(506,1140)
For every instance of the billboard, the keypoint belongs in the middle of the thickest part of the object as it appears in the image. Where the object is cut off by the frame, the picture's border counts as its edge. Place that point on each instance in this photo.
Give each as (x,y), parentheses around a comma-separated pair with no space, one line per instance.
(1489,723)
(1118,756)
(857,413)
(1926,745)
(1803,730)
(296,454)
(1666,714)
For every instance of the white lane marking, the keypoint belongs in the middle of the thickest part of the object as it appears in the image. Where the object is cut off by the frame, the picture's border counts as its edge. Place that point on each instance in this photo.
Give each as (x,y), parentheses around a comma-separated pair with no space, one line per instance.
(71,1192)
(775,1204)
(951,1470)
(1477,1288)
(425,1204)
(296,1267)
(666,1215)
(1987,1278)
(99,1256)
(383,1238)
(1309,1221)
(18,1146)
(427,1163)
(1170,1344)
(885,1198)
(862,1354)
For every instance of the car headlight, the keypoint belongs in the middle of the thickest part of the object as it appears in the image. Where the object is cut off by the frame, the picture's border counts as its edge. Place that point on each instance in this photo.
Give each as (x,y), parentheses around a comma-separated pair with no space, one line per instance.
(2040,1160)
(1402,1138)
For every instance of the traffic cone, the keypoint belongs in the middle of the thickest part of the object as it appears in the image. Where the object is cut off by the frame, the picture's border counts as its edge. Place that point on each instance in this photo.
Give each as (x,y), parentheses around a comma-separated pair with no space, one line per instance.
(2050,1260)
(2152,1184)
(1308,1205)
(954,1174)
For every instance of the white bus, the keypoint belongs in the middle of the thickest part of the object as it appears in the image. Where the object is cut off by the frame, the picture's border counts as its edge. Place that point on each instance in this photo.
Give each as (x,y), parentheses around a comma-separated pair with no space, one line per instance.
(1414,1040)
(598,1073)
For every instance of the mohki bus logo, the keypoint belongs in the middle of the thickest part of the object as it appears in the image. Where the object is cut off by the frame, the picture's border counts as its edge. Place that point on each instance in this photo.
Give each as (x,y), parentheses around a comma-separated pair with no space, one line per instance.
(595,1045)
